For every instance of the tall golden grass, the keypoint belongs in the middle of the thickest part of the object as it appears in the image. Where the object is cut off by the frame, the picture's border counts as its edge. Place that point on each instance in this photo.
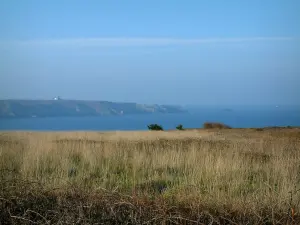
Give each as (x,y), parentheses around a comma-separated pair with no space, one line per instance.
(234,176)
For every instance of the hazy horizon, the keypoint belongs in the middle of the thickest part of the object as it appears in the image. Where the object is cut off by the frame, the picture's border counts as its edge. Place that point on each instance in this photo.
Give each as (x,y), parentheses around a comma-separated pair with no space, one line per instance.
(196,105)
(195,53)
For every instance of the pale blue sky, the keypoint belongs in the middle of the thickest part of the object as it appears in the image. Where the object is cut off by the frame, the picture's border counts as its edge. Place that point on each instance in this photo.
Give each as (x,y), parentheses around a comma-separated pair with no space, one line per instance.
(170,52)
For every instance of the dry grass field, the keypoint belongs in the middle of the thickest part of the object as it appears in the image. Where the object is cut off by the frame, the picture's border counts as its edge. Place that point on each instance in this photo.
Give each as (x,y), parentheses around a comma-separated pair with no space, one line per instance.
(205,176)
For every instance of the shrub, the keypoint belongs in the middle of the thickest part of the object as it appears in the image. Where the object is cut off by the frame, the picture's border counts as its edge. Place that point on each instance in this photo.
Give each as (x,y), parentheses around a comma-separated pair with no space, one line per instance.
(155,127)
(212,125)
(179,127)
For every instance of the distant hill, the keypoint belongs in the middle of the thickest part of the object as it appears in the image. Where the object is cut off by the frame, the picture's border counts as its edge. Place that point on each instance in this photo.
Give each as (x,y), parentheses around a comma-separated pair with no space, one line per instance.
(59,108)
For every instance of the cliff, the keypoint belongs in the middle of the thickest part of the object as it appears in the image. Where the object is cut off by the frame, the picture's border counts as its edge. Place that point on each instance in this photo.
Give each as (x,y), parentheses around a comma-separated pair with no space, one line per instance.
(62,108)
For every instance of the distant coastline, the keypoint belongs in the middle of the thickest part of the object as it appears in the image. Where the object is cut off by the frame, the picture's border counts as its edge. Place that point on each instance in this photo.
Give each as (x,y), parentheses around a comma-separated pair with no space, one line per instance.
(78,108)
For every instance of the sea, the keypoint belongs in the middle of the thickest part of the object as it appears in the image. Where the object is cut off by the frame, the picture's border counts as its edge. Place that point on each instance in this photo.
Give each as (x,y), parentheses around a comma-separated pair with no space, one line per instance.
(236,117)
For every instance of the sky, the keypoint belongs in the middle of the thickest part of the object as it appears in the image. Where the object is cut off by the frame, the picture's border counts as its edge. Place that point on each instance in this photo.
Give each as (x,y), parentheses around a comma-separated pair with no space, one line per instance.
(166,52)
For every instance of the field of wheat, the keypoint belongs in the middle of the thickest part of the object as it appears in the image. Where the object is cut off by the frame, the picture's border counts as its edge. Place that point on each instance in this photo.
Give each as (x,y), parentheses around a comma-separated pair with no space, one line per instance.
(229,176)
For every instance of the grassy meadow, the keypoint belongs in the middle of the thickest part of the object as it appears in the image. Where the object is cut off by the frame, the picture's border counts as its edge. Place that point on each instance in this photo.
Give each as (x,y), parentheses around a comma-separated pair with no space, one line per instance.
(204,176)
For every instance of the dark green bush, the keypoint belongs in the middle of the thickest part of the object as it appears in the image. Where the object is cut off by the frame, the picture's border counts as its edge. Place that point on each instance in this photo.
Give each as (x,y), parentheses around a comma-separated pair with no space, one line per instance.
(155,127)
(180,127)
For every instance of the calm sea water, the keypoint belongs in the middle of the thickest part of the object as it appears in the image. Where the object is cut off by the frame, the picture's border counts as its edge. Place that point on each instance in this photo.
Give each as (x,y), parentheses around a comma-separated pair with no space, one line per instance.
(242,117)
